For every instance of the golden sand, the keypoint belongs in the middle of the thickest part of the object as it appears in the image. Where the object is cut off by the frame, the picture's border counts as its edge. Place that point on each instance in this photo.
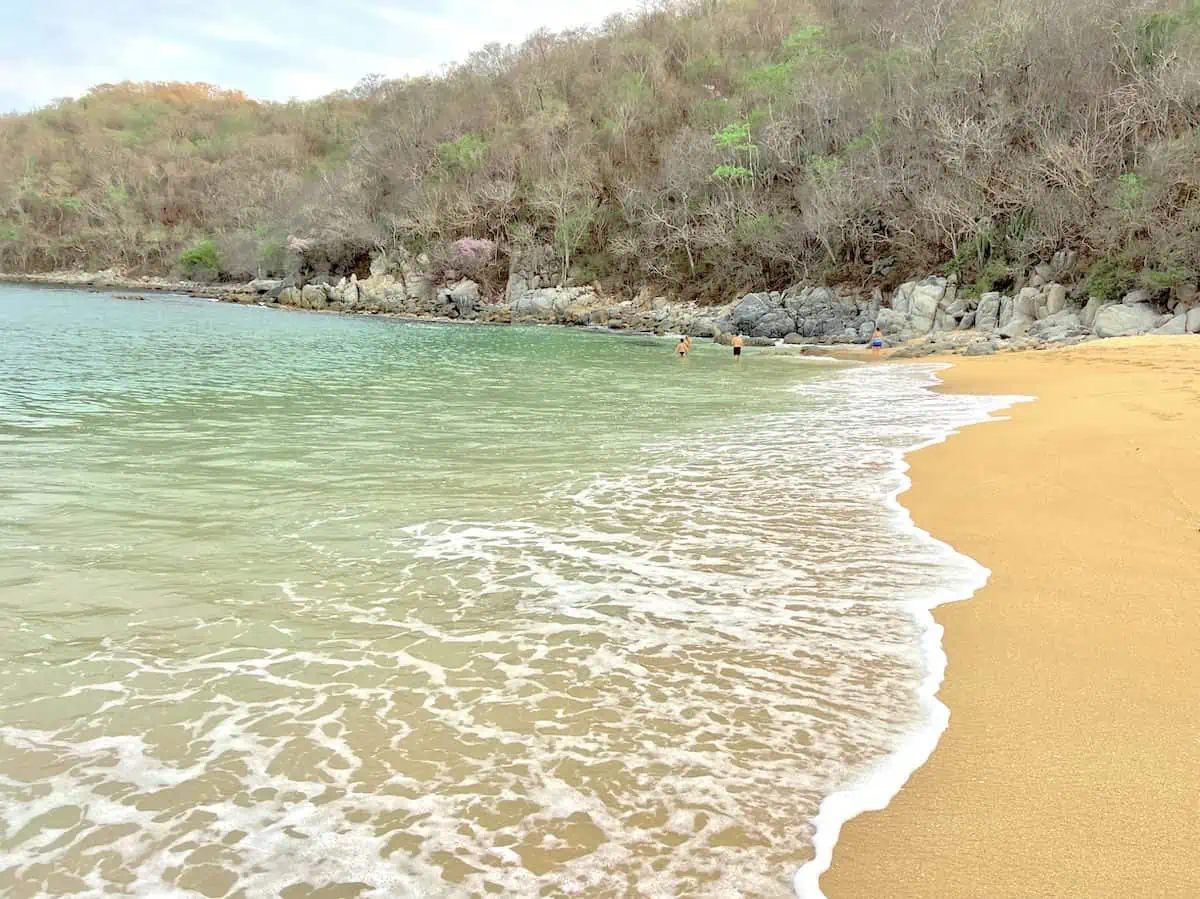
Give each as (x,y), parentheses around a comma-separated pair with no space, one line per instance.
(1071,767)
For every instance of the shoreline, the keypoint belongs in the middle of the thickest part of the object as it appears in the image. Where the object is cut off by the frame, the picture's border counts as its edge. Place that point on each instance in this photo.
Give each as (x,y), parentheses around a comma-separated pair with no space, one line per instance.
(1040,669)
(876,790)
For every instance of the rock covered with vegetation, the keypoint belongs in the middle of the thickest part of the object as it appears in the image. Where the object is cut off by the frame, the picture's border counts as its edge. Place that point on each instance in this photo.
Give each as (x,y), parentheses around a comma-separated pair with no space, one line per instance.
(700,150)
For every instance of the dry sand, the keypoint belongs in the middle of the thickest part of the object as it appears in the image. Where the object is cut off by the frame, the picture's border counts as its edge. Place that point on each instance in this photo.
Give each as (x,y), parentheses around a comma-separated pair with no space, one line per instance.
(1071,767)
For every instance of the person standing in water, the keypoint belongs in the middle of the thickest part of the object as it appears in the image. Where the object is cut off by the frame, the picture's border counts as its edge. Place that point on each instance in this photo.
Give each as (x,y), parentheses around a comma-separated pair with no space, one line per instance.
(738,342)
(876,343)
(681,348)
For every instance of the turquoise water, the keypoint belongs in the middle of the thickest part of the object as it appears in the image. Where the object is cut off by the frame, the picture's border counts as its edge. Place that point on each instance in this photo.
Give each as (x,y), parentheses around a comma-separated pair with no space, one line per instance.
(300,605)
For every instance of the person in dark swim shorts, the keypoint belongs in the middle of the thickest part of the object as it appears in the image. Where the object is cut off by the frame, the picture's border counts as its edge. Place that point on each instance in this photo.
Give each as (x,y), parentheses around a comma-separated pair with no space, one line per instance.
(738,342)
(876,343)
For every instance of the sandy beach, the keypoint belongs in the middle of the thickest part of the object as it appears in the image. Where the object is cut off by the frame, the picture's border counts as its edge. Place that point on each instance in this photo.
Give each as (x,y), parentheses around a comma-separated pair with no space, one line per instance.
(1071,767)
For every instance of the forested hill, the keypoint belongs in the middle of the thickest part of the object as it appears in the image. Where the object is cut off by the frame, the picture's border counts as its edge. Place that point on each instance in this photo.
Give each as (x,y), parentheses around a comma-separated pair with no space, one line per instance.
(703,147)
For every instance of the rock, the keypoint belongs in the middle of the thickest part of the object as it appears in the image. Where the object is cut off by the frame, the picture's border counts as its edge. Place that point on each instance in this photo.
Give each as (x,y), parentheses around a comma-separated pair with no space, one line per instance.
(349,294)
(1058,327)
(313,297)
(915,351)
(1091,310)
(1136,297)
(1017,327)
(1007,310)
(751,308)
(537,304)
(967,322)
(924,305)
(264,285)
(1177,325)
(794,339)
(1056,299)
(867,328)
(1125,320)
(981,349)
(892,323)
(774,324)
(988,313)
(289,296)
(819,313)
(703,327)
(1193,320)
(1026,303)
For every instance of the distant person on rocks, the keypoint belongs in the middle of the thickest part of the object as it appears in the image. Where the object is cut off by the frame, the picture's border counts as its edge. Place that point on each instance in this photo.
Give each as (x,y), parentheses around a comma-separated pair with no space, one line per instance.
(738,342)
(681,348)
(876,343)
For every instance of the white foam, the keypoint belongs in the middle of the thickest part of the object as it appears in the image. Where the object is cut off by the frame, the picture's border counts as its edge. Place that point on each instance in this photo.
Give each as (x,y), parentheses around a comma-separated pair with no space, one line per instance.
(877,787)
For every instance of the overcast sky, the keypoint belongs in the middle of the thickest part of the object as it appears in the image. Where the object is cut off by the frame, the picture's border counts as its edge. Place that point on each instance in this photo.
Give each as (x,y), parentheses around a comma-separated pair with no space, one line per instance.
(271,49)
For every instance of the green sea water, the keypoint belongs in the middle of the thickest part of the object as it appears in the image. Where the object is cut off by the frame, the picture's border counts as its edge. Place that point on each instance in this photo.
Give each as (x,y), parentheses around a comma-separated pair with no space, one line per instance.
(304,605)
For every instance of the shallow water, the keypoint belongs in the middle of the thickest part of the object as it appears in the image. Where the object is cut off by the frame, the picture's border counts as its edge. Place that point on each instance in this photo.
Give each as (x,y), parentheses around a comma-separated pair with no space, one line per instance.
(305,605)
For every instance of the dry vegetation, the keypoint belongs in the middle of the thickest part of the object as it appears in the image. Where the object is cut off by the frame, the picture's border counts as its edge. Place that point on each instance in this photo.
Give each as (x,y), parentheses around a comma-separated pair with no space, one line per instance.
(704,147)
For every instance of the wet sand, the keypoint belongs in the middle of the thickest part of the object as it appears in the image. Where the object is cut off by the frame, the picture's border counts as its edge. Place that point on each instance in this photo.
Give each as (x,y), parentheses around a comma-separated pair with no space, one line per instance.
(1071,767)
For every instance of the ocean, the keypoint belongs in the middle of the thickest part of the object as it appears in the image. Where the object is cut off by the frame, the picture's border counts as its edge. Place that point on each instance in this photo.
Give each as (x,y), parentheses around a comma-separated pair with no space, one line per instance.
(305,605)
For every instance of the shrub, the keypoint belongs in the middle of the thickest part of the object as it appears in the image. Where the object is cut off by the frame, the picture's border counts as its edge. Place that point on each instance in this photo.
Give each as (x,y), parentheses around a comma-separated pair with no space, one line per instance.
(1109,279)
(200,262)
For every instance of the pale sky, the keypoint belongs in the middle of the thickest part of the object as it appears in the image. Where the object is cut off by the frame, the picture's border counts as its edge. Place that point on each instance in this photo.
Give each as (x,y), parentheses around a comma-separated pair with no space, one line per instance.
(271,49)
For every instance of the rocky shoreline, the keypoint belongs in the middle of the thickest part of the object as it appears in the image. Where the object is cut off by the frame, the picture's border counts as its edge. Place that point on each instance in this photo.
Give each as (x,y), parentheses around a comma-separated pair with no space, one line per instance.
(919,318)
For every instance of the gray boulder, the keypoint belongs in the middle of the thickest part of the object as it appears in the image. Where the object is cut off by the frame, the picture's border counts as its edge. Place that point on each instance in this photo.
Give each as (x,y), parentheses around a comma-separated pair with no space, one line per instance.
(1125,320)
(1016,327)
(264,285)
(1136,297)
(463,299)
(1056,299)
(751,308)
(313,297)
(1058,327)
(923,309)
(535,305)
(985,348)
(1193,320)
(1091,310)
(1177,325)
(289,296)
(967,322)
(819,312)
(774,324)
(988,314)
(1007,310)
(1026,303)
(892,323)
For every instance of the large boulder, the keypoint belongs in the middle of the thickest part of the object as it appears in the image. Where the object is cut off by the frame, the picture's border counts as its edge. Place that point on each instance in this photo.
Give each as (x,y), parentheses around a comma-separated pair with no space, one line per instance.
(1018,326)
(264,285)
(289,296)
(1193,320)
(819,312)
(534,305)
(1121,320)
(751,308)
(1137,297)
(1056,299)
(1091,310)
(982,348)
(1007,311)
(313,296)
(923,307)
(1177,325)
(988,314)
(774,324)
(1026,303)
(464,298)
(893,324)
(1058,327)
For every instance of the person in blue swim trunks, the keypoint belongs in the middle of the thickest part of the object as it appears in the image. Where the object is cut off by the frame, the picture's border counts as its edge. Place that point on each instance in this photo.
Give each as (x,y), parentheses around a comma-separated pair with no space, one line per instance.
(876,343)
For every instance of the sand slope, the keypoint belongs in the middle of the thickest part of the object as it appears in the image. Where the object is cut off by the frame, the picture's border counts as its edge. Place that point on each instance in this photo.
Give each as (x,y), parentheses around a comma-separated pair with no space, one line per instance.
(1071,767)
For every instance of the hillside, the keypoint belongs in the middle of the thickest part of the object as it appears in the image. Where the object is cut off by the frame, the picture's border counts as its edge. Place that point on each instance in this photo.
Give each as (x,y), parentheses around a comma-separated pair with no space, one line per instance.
(704,148)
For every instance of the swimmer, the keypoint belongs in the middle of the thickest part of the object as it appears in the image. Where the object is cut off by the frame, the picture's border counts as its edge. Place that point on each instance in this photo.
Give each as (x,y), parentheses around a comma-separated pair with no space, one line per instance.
(738,342)
(681,348)
(876,343)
